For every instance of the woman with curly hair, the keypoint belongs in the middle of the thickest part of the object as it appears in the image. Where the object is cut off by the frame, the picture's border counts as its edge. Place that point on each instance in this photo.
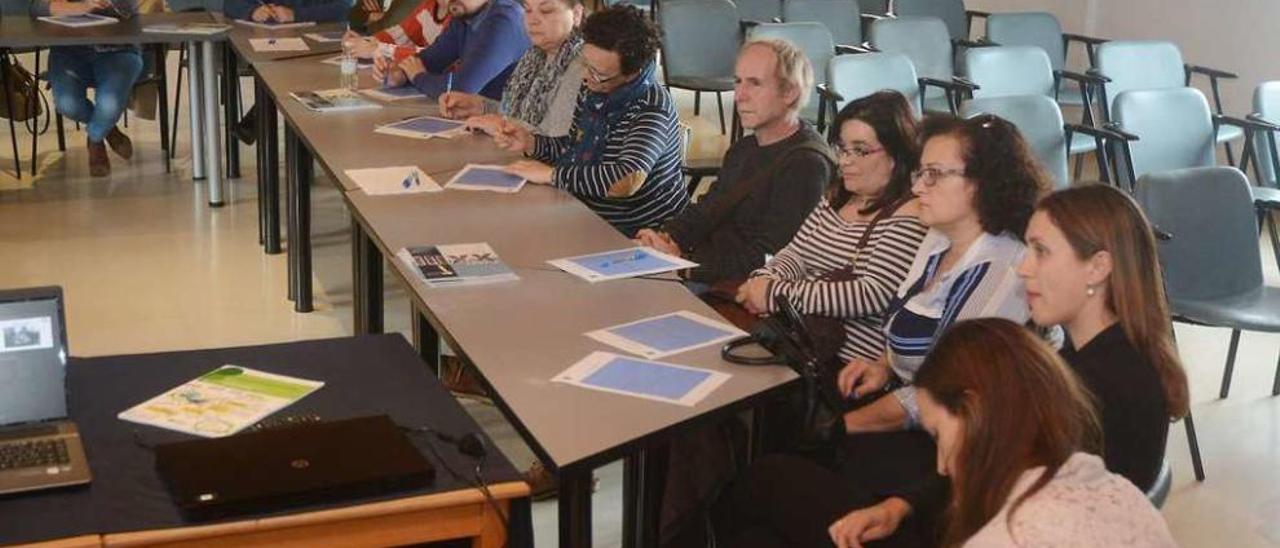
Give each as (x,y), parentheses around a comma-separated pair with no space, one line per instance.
(977,185)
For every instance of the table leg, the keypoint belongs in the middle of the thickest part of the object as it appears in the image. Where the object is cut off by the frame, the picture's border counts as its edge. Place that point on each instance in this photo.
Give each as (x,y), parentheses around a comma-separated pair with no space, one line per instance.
(269,169)
(8,103)
(291,211)
(260,152)
(231,104)
(366,266)
(300,232)
(642,487)
(213,150)
(195,108)
(426,340)
(575,508)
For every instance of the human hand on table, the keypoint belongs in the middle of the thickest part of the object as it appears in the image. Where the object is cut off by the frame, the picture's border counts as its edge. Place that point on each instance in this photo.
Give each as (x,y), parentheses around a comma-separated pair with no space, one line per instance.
(514,137)
(385,70)
(868,524)
(456,105)
(658,240)
(753,294)
(282,14)
(861,377)
(487,123)
(532,171)
(411,66)
(60,7)
(360,46)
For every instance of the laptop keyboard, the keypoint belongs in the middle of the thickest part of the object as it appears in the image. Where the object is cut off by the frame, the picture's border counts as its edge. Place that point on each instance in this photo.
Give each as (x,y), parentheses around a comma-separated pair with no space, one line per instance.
(33,453)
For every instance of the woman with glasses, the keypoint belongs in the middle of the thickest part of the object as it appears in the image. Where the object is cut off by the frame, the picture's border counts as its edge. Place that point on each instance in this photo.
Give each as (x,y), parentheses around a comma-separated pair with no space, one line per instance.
(543,90)
(976,185)
(867,225)
(622,154)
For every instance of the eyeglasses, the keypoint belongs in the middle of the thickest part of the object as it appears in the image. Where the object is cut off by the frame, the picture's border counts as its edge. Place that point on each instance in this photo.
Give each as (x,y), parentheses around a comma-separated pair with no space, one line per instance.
(856,151)
(597,77)
(930,176)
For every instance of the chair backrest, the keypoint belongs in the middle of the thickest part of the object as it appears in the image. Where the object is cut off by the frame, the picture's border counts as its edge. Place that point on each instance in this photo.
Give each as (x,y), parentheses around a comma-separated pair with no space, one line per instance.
(924,40)
(1009,70)
(951,12)
(1140,64)
(857,76)
(1266,103)
(814,40)
(875,7)
(1174,128)
(699,38)
(761,11)
(841,17)
(1036,29)
(1209,212)
(1039,119)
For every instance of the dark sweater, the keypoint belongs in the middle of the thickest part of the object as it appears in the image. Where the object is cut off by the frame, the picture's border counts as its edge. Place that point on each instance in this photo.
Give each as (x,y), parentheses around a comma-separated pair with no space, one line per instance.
(318,11)
(1131,404)
(481,50)
(765,220)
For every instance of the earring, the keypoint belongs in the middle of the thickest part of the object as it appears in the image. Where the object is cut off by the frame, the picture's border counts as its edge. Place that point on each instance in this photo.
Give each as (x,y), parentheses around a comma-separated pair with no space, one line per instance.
(1089,290)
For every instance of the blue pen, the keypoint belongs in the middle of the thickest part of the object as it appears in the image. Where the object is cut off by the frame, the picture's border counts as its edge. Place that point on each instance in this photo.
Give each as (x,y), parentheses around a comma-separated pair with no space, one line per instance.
(411,180)
(638,255)
(448,83)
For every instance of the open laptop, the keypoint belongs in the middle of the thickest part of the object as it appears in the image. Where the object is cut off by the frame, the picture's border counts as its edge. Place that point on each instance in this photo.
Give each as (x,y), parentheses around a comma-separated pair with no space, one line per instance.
(39,448)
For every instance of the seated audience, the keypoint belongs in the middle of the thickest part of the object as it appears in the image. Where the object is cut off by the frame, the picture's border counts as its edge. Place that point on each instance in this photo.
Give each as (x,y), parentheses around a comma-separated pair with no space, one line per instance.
(1093,269)
(399,39)
(769,180)
(622,154)
(543,90)
(866,227)
(1014,430)
(110,70)
(475,54)
(977,185)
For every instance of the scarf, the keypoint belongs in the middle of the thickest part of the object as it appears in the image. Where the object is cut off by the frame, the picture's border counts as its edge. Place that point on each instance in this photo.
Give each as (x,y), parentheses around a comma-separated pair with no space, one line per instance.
(597,112)
(533,83)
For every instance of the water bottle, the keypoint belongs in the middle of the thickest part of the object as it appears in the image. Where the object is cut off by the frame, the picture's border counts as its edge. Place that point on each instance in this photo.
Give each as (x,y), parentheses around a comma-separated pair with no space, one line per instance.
(348,77)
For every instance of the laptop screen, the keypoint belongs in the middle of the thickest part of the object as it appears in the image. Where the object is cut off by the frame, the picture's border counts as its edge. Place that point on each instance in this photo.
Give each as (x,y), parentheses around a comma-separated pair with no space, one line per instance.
(33,355)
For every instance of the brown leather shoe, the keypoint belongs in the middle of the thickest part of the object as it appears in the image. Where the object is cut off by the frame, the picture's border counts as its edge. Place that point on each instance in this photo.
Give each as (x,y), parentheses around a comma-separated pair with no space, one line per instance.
(120,143)
(99,165)
(460,379)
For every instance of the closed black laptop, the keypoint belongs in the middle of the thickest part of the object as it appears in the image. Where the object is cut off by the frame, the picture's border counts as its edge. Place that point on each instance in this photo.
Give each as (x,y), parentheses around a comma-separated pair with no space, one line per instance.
(282,467)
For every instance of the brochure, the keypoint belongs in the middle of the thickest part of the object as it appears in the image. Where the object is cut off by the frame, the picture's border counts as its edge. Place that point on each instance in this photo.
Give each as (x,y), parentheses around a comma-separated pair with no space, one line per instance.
(457,264)
(658,381)
(221,402)
(333,100)
(621,263)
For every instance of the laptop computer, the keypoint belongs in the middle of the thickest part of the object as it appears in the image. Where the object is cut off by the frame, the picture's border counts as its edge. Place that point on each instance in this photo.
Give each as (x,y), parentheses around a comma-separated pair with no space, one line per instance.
(39,448)
(281,467)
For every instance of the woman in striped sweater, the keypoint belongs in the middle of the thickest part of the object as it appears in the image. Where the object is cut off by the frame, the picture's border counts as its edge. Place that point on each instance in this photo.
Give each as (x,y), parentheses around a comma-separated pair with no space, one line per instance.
(876,142)
(622,154)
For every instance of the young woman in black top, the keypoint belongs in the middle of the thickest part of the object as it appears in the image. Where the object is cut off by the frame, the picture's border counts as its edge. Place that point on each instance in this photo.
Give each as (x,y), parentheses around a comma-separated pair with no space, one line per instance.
(1093,270)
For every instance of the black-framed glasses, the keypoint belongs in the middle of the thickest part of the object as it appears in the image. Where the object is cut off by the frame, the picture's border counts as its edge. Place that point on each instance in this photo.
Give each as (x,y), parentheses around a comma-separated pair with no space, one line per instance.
(856,151)
(597,77)
(930,176)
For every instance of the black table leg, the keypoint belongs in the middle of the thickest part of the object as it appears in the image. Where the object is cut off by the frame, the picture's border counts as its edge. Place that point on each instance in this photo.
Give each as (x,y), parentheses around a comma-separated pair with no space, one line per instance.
(269,169)
(260,152)
(291,212)
(8,103)
(426,340)
(575,508)
(644,474)
(231,104)
(366,266)
(300,233)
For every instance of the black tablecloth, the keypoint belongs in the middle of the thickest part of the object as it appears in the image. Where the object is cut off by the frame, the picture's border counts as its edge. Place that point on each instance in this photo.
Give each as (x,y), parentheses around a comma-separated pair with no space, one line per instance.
(370,375)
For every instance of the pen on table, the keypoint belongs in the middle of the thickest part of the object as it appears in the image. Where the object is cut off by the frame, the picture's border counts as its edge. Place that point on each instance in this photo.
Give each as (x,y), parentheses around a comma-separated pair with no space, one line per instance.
(633,257)
(448,83)
(411,180)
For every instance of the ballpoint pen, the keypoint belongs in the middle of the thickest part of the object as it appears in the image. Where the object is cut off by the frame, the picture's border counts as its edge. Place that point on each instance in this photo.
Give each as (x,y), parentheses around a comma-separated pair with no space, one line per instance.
(638,255)
(411,180)
(448,83)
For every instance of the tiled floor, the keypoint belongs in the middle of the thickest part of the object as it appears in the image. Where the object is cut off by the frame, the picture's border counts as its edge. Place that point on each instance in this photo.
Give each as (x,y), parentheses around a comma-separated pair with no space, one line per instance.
(147,266)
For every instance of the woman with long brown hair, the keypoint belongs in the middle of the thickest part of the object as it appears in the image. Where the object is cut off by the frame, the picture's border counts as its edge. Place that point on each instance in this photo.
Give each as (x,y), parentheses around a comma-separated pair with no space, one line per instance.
(1092,268)
(1014,429)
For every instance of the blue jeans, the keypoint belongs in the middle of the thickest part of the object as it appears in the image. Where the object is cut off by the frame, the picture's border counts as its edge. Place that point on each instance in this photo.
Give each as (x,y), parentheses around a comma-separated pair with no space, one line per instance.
(73,70)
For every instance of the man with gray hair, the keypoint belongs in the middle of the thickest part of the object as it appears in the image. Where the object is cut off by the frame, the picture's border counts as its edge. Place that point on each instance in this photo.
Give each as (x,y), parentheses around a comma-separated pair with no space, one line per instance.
(769,180)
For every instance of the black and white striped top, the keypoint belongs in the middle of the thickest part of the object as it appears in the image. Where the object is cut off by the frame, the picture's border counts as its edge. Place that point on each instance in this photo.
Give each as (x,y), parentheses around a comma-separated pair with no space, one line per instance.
(643,146)
(827,242)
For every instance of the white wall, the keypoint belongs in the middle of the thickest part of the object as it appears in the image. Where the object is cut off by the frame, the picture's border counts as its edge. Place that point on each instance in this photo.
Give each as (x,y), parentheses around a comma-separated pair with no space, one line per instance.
(1239,36)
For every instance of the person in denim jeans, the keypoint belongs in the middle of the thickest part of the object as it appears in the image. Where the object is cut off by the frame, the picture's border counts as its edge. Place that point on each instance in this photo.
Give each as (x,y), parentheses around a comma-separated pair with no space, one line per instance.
(110,70)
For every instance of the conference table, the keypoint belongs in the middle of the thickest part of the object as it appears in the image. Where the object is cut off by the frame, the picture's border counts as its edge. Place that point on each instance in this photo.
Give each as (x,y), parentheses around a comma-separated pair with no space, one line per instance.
(519,335)
(206,151)
(127,504)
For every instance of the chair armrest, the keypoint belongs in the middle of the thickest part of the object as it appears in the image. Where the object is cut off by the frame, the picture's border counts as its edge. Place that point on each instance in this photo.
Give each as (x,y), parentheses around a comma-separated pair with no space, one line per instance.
(970,44)
(826,91)
(747,25)
(776,20)
(1248,125)
(1101,132)
(1259,119)
(1122,134)
(1092,77)
(844,49)
(1210,72)
(975,14)
(1086,40)
(871,17)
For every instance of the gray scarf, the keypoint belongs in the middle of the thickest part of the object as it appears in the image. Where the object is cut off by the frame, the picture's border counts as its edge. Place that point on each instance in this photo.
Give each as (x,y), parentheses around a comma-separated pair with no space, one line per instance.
(533,82)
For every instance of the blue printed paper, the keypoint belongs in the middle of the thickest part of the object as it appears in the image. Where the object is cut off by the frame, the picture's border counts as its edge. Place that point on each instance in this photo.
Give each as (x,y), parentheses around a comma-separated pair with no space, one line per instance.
(494,178)
(645,377)
(424,124)
(621,263)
